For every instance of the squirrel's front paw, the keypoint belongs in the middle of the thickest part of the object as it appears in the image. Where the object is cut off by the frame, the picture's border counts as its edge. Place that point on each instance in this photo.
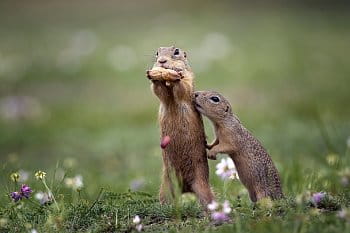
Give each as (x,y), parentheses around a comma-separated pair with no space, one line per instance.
(171,75)
(181,74)
(211,156)
(148,74)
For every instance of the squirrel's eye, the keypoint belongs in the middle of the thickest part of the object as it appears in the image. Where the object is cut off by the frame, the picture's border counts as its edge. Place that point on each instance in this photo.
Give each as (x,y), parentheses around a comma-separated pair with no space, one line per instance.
(176,52)
(215,99)
(157,54)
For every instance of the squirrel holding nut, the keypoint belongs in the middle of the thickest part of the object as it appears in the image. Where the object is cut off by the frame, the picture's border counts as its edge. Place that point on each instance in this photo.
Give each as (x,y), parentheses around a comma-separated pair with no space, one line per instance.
(182,130)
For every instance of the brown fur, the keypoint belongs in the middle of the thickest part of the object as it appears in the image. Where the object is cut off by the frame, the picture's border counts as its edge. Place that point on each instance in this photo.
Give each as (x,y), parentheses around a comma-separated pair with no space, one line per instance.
(254,165)
(172,82)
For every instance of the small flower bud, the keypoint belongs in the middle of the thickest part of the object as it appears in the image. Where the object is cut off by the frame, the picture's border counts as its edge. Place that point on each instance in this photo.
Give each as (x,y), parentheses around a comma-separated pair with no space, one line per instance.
(40,175)
(15,177)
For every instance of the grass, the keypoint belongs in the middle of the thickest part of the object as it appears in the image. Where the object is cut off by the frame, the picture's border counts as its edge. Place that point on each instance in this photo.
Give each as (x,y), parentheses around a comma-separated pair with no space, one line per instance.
(75,72)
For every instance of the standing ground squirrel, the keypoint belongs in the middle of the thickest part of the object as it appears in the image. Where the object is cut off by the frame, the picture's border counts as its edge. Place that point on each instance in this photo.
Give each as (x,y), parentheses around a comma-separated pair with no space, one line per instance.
(254,165)
(182,126)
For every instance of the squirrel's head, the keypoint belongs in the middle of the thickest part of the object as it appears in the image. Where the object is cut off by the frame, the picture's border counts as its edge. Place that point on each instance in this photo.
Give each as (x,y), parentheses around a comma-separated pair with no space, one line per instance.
(212,105)
(172,58)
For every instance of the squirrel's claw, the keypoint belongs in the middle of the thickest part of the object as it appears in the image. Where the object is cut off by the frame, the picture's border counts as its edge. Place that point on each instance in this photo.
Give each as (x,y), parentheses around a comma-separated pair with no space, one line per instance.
(148,74)
(212,157)
(181,74)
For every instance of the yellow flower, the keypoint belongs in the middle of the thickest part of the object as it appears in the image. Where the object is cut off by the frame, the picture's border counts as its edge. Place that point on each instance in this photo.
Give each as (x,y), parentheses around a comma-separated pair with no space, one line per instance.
(14,177)
(314,212)
(299,199)
(265,203)
(28,225)
(188,198)
(40,175)
(345,172)
(332,159)
(3,222)
(326,183)
(302,198)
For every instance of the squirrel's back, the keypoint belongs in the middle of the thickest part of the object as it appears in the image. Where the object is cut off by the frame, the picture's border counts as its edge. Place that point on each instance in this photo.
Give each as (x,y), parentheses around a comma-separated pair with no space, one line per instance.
(261,166)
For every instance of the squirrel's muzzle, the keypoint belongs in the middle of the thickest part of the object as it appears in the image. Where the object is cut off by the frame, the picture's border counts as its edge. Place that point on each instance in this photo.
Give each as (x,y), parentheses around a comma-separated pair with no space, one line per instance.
(162,60)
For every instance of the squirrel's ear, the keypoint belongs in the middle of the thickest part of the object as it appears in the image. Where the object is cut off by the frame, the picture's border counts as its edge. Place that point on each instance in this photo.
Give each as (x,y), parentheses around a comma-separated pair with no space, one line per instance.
(185,54)
(227,108)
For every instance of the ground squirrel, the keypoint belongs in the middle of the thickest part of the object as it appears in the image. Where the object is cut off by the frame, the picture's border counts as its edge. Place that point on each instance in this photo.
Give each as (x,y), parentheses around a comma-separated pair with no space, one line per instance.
(182,126)
(254,165)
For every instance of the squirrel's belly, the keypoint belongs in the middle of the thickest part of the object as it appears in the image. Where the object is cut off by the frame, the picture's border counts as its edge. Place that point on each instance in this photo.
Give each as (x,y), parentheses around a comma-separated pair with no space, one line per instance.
(186,150)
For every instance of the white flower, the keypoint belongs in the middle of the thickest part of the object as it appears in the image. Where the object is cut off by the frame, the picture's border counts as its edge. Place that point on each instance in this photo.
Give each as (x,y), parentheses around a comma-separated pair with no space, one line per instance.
(139,227)
(78,181)
(226,207)
(136,219)
(33,231)
(234,176)
(226,169)
(213,205)
(43,198)
(39,195)
(74,182)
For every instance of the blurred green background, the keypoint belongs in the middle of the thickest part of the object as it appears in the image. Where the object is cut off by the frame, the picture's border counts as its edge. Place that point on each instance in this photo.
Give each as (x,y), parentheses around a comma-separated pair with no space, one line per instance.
(73,89)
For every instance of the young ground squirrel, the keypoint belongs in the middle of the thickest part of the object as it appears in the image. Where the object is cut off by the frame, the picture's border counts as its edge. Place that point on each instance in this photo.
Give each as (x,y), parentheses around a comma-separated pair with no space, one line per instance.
(182,126)
(254,165)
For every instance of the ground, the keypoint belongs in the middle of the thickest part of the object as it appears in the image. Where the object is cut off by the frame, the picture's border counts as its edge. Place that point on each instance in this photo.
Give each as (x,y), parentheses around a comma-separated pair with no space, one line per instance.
(75,102)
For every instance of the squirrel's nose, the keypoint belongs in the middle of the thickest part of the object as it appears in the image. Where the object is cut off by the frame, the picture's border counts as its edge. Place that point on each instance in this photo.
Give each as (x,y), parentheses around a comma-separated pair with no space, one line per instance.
(162,60)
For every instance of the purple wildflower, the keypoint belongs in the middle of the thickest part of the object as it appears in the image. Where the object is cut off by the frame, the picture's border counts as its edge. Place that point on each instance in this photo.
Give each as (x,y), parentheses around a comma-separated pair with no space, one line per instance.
(219,212)
(317,197)
(16,196)
(219,217)
(26,191)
